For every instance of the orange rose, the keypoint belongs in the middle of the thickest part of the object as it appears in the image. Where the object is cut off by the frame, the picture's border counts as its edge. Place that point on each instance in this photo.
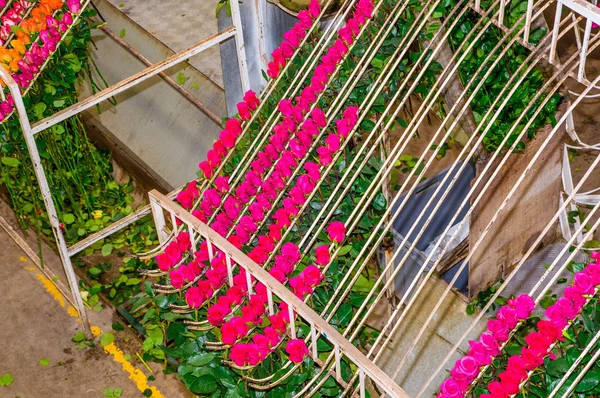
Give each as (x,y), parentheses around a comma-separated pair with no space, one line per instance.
(18,45)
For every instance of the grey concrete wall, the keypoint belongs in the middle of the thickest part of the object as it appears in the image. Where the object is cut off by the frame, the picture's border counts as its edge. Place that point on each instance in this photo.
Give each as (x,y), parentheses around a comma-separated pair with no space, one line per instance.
(167,134)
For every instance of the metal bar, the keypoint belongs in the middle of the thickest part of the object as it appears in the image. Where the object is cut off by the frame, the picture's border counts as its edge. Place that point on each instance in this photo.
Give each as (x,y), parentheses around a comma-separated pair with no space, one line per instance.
(159,221)
(133,80)
(293,302)
(584,48)
(47,197)
(528,15)
(555,32)
(590,362)
(195,101)
(239,43)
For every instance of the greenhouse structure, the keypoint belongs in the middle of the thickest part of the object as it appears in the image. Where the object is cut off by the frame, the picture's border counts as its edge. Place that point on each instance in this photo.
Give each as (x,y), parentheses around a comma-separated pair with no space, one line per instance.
(300,198)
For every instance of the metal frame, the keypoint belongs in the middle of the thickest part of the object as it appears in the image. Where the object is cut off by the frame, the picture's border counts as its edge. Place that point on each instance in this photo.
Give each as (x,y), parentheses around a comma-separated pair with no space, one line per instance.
(160,202)
(367,364)
(30,131)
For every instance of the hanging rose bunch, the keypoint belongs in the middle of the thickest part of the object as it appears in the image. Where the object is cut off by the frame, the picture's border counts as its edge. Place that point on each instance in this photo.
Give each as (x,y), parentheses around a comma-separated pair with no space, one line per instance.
(488,346)
(265,343)
(25,63)
(292,39)
(174,251)
(539,343)
(12,17)
(228,136)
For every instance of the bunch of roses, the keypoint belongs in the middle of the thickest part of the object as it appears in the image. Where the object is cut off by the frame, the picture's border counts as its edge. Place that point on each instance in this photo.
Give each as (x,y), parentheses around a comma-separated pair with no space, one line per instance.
(263,344)
(286,162)
(549,332)
(293,115)
(228,136)
(292,39)
(173,253)
(12,17)
(539,343)
(26,63)
(285,263)
(482,352)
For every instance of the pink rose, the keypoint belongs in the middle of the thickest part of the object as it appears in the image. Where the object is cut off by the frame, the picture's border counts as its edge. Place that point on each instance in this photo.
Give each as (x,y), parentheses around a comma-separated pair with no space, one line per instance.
(479,353)
(251,100)
(177,279)
(312,275)
(508,316)
(336,231)
(278,322)
(510,382)
(322,255)
(516,365)
(531,358)
(537,341)
(195,296)
(497,390)
(498,329)
(450,389)
(240,354)
(567,307)
(592,270)
(549,331)
(467,366)
(556,315)
(296,350)
(583,283)
(523,305)
(490,343)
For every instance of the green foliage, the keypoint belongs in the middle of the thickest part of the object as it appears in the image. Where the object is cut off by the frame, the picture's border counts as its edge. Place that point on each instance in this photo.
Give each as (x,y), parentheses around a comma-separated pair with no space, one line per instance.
(6,380)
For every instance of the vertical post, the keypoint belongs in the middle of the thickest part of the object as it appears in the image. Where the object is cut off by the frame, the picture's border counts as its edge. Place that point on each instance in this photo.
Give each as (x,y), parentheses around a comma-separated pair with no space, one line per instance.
(292,322)
(313,337)
(361,377)
(528,16)
(239,44)
(229,269)
(338,366)
(555,28)
(270,301)
(47,196)
(249,283)
(584,49)
(159,218)
(501,12)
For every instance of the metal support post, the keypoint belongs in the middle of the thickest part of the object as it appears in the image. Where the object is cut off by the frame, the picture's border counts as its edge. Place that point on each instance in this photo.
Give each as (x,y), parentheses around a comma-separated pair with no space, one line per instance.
(46,195)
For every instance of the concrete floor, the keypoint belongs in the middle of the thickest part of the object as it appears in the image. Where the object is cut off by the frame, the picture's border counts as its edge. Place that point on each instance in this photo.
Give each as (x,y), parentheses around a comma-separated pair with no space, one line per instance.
(38,323)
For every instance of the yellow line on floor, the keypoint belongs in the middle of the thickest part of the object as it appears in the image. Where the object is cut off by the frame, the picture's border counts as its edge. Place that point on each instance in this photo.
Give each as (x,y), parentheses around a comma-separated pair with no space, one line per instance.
(136,375)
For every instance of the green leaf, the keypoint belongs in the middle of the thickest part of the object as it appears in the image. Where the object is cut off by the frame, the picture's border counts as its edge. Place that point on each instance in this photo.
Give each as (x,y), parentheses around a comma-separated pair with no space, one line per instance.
(79,336)
(68,218)
(345,250)
(95,271)
(12,162)
(118,327)
(547,301)
(589,381)
(122,33)
(343,314)
(195,86)
(155,333)
(200,359)
(181,79)
(6,380)
(106,339)
(107,249)
(204,384)
(147,392)
(44,362)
